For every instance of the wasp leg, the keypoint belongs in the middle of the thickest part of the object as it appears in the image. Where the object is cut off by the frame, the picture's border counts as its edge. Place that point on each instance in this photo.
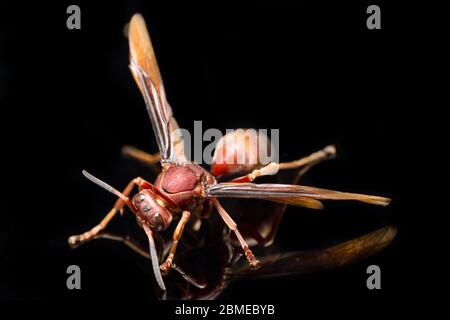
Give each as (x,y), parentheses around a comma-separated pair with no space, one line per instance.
(79,239)
(272,168)
(126,240)
(254,263)
(176,237)
(141,250)
(149,159)
(201,284)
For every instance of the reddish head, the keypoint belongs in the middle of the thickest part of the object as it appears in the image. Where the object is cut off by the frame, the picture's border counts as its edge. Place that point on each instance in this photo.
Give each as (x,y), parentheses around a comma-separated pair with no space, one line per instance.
(150,209)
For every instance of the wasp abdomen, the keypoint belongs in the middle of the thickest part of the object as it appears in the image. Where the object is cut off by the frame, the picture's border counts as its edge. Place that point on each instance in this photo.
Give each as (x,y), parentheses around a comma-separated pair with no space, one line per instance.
(240,152)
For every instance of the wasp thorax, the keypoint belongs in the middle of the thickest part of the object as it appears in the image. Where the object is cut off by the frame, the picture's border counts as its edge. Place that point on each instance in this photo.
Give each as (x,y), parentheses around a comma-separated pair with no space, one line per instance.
(150,211)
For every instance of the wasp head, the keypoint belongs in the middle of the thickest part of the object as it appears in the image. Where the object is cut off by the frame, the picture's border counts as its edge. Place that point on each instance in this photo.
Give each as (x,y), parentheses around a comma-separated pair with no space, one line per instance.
(150,211)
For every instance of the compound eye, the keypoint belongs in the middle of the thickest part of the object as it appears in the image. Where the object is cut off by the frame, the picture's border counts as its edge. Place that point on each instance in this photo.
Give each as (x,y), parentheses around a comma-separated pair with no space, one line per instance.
(158,223)
(140,198)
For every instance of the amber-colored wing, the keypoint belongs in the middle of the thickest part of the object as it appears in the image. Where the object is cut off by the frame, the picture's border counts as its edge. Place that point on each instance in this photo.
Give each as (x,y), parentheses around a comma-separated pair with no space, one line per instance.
(311,261)
(145,70)
(289,194)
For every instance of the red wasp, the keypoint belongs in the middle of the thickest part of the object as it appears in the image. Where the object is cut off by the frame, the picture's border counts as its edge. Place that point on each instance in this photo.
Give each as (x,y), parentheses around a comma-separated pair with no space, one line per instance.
(187,191)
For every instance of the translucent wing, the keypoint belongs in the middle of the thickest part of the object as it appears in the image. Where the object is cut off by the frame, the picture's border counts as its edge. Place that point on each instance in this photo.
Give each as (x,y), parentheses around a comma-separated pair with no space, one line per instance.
(145,70)
(310,261)
(289,194)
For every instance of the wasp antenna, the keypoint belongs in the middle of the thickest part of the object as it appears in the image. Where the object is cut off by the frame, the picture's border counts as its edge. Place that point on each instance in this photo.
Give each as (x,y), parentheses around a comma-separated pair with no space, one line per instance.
(104,185)
(154,257)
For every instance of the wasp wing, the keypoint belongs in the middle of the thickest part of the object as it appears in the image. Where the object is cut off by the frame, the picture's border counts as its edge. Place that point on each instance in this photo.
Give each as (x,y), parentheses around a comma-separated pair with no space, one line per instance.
(339,255)
(145,70)
(287,193)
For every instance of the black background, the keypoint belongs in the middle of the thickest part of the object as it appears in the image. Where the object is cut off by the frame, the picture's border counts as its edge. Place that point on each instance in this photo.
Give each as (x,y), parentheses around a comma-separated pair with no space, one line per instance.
(311,69)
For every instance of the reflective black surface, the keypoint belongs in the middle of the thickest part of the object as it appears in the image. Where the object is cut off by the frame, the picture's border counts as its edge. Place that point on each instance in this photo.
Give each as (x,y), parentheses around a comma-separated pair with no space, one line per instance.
(310,69)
